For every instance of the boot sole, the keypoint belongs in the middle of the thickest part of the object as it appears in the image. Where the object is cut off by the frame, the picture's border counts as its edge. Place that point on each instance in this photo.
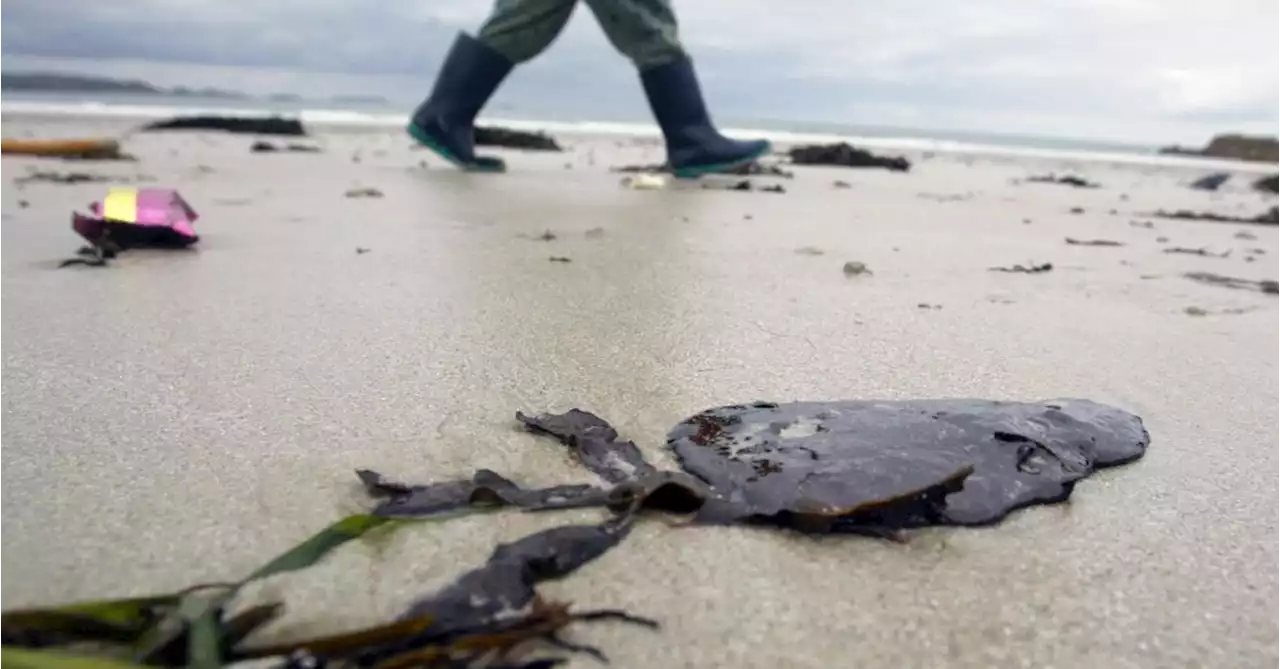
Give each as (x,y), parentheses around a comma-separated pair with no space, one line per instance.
(695,171)
(480,165)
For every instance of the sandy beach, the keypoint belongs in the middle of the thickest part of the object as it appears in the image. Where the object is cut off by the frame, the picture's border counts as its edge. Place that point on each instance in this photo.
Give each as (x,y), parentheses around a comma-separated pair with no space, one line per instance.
(180,417)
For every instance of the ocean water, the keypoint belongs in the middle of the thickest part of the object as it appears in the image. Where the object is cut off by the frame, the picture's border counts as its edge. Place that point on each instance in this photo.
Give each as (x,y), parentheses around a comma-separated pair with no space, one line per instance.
(355,115)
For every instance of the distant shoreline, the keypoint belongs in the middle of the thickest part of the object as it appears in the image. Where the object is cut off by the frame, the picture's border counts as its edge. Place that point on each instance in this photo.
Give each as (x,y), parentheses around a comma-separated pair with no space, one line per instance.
(62,82)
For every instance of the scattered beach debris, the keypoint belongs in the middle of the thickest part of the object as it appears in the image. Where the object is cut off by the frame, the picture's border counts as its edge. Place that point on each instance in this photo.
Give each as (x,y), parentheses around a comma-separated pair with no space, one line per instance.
(133,218)
(1196,311)
(1267,184)
(249,125)
(753,169)
(809,251)
(515,139)
(66,149)
(1268,217)
(360,250)
(363,192)
(261,146)
(62,178)
(855,268)
(1142,224)
(1092,242)
(844,155)
(560,259)
(1030,268)
(1210,182)
(644,182)
(841,184)
(1245,234)
(1201,251)
(594,233)
(1065,180)
(546,236)
(1264,286)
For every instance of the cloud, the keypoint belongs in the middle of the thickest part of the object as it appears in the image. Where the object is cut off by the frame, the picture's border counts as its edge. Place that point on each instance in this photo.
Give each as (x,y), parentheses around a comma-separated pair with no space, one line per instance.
(1147,70)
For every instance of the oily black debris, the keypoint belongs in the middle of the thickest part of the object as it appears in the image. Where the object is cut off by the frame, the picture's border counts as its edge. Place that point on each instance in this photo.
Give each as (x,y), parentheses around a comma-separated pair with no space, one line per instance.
(753,169)
(1210,182)
(515,139)
(1263,286)
(744,185)
(1033,268)
(1092,242)
(273,125)
(63,178)
(1268,217)
(862,466)
(267,147)
(484,489)
(1203,252)
(1064,180)
(844,155)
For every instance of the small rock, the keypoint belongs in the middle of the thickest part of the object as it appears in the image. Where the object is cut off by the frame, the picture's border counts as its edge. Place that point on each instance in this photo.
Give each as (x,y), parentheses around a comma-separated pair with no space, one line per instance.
(855,268)
(1076,210)
(1210,182)
(1196,311)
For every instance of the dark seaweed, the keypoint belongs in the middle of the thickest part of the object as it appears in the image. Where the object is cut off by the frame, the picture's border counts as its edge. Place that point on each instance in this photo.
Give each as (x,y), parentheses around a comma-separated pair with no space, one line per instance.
(1092,242)
(1264,286)
(594,442)
(1038,268)
(485,489)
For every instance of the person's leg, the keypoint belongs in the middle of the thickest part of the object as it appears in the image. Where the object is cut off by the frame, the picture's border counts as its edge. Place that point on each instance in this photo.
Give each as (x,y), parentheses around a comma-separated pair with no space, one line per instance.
(516,31)
(645,31)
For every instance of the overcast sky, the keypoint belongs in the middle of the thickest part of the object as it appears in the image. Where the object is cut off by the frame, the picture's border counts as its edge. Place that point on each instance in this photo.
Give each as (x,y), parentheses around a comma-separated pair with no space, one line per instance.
(1140,70)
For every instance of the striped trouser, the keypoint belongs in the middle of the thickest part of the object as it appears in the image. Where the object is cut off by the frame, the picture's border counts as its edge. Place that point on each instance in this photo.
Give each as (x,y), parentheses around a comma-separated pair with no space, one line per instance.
(643,30)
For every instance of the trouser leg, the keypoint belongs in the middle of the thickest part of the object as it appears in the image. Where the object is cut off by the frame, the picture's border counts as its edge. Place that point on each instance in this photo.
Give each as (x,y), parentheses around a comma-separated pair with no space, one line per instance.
(644,31)
(522,29)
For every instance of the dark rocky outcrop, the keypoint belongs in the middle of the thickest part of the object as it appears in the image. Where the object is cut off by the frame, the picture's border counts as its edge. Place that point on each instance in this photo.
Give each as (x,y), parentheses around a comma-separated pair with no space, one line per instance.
(1267,184)
(516,139)
(843,155)
(273,125)
(1234,147)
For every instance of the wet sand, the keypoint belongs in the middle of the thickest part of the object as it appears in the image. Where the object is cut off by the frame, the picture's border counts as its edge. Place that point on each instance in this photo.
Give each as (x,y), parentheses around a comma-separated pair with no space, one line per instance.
(183,417)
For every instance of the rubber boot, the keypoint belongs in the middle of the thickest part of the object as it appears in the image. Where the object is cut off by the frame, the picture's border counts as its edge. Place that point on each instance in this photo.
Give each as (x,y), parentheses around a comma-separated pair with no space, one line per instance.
(694,146)
(445,122)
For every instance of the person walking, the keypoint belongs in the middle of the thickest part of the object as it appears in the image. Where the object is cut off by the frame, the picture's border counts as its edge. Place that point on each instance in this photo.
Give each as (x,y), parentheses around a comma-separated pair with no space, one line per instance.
(518,30)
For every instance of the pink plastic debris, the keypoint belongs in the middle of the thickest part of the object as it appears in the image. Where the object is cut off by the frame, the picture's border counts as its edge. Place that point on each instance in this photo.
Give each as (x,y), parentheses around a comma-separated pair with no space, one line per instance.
(131,217)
